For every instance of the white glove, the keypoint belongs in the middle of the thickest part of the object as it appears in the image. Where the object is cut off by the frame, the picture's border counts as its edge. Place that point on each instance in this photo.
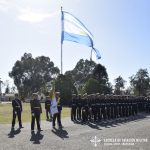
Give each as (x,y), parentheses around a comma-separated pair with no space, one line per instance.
(33,114)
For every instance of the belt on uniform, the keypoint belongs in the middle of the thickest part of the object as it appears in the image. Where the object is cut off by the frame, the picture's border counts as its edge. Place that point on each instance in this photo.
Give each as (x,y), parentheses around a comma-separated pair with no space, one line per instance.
(37,107)
(17,106)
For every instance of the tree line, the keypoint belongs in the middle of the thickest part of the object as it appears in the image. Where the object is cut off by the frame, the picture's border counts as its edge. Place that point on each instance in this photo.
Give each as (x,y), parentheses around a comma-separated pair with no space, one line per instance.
(36,75)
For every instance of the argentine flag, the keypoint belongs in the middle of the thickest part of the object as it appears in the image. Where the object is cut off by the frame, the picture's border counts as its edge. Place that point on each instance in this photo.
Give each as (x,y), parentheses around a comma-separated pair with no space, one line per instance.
(53,107)
(74,30)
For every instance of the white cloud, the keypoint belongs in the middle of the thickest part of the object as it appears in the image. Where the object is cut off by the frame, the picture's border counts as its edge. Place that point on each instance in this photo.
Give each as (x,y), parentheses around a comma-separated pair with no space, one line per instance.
(5,5)
(34,15)
(27,11)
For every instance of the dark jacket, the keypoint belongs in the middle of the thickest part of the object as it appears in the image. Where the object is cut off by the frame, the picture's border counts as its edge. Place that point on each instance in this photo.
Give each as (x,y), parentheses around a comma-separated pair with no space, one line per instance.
(59,106)
(17,105)
(35,106)
(47,104)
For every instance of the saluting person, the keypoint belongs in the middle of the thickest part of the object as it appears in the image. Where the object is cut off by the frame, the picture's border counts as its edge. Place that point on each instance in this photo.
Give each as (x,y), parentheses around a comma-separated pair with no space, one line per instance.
(73,107)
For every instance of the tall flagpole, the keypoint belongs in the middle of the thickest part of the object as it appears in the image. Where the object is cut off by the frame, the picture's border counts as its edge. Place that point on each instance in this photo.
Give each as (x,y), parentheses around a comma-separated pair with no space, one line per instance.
(91,55)
(61,39)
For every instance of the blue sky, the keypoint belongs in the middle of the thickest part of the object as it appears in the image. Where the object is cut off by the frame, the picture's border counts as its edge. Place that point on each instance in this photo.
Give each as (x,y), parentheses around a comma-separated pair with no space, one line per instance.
(121,30)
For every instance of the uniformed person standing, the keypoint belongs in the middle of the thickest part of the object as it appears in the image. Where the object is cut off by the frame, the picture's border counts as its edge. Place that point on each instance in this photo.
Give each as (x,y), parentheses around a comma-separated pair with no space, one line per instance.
(17,110)
(98,111)
(47,108)
(86,107)
(73,108)
(79,106)
(36,111)
(104,100)
(84,110)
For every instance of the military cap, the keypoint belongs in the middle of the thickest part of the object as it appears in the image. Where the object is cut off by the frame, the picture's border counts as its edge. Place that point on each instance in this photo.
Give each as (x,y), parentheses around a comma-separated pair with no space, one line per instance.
(91,95)
(16,94)
(57,93)
(35,94)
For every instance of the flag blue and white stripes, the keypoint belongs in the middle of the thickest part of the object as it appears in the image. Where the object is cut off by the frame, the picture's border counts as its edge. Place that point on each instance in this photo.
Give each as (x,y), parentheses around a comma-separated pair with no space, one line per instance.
(74,30)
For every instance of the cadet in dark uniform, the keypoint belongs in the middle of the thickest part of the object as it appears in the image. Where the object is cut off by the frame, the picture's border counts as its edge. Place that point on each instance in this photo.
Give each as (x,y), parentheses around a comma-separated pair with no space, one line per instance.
(124,107)
(115,101)
(85,108)
(108,106)
(147,104)
(112,109)
(47,108)
(121,105)
(36,111)
(98,111)
(93,106)
(73,108)
(90,107)
(103,107)
(17,110)
(79,106)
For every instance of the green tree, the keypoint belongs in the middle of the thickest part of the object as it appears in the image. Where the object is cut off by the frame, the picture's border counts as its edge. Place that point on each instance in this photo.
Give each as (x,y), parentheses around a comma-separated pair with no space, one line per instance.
(129,91)
(92,86)
(119,85)
(65,86)
(100,74)
(82,71)
(7,90)
(140,82)
(30,74)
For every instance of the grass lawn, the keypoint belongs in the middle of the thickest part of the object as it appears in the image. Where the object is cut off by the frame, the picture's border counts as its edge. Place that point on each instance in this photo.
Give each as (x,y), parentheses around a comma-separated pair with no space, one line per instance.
(6,113)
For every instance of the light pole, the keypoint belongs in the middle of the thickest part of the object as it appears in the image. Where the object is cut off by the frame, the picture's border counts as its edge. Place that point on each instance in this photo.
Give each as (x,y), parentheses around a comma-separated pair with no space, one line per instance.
(0,88)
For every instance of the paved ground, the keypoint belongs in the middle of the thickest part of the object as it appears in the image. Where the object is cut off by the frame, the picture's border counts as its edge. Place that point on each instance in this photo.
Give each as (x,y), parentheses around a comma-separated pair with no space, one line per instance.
(120,134)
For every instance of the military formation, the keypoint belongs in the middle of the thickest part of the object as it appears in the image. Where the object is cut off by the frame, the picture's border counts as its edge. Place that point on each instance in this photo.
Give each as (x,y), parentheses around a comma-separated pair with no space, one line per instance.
(96,107)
